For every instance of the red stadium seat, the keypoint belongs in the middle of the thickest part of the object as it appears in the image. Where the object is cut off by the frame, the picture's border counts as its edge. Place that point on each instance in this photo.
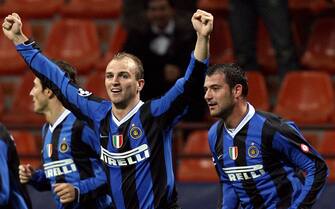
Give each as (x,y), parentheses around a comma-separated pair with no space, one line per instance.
(92,8)
(327,144)
(310,5)
(320,52)
(258,93)
(306,98)
(31,8)
(96,84)
(221,46)
(313,139)
(331,167)
(22,112)
(199,169)
(75,41)
(116,43)
(27,147)
(214,6)
(13,64)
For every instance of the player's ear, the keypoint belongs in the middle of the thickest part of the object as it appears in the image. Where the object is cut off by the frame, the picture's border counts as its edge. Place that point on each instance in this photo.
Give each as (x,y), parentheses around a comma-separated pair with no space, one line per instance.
(49,93)
(140,84)
(237,91)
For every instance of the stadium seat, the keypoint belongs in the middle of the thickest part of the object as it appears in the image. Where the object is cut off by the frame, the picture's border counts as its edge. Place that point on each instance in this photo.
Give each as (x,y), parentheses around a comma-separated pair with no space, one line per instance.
(331,167)
(313,139)
(27,146)
(21,112)
(258,93)
(115,45)
(308,5)
(95,83)
(12,63)
(327,144)
(306,98)
(214,6)
(75,41)
(320,51)
(92,8)
(31,8)
(221,46)
(200,168)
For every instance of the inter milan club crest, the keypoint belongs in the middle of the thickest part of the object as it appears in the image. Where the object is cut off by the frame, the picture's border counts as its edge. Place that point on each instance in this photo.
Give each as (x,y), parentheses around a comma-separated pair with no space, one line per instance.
(233,152)
(135,132)
(49,150)
(253,151)
(117,141)
(64,147)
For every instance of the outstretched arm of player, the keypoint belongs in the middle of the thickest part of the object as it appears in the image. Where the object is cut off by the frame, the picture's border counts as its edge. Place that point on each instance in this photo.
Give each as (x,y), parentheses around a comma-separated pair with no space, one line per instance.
(187,89)
(76,99)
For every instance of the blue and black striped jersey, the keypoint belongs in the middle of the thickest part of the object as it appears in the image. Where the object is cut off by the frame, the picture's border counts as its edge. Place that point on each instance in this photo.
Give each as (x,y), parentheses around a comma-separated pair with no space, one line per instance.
(137,150)
(69,157)
(260,163)
(12,193)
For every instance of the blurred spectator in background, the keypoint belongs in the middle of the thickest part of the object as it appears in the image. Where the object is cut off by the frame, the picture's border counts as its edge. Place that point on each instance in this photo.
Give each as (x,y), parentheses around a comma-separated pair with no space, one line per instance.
(244,20)
(163,43)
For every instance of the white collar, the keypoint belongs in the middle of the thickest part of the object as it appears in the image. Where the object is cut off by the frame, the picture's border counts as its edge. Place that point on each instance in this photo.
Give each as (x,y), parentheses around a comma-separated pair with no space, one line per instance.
(129,115)
(59,120)
(245,120)
(168,29)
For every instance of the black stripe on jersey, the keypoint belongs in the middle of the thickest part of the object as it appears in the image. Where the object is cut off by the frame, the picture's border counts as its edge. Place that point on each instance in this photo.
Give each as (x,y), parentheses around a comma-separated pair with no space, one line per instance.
(128,173)
(54,156)
(219,141)
(104,131)
(157,159)
(283,185)
(81,151)
(219,152)
(76,111)
(249,185)
(291,134)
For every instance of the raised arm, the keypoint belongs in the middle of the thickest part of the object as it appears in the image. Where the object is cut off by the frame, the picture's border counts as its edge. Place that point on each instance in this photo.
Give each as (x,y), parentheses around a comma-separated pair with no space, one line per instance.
(80,102)
(203,24)
(187,90)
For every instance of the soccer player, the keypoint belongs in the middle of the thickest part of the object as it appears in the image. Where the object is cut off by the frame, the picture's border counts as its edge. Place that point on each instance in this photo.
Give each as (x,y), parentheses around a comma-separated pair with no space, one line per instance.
(258,154)
(136,137)
(12,194)
(71,167)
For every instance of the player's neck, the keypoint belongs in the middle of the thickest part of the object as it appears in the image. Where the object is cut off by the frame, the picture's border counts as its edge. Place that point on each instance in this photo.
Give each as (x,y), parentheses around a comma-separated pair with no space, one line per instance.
(53,113)
(239,112)
(120,111)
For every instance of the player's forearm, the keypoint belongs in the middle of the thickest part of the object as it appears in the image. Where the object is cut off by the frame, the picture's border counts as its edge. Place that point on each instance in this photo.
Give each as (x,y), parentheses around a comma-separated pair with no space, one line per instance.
(20,39)
(201,51)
